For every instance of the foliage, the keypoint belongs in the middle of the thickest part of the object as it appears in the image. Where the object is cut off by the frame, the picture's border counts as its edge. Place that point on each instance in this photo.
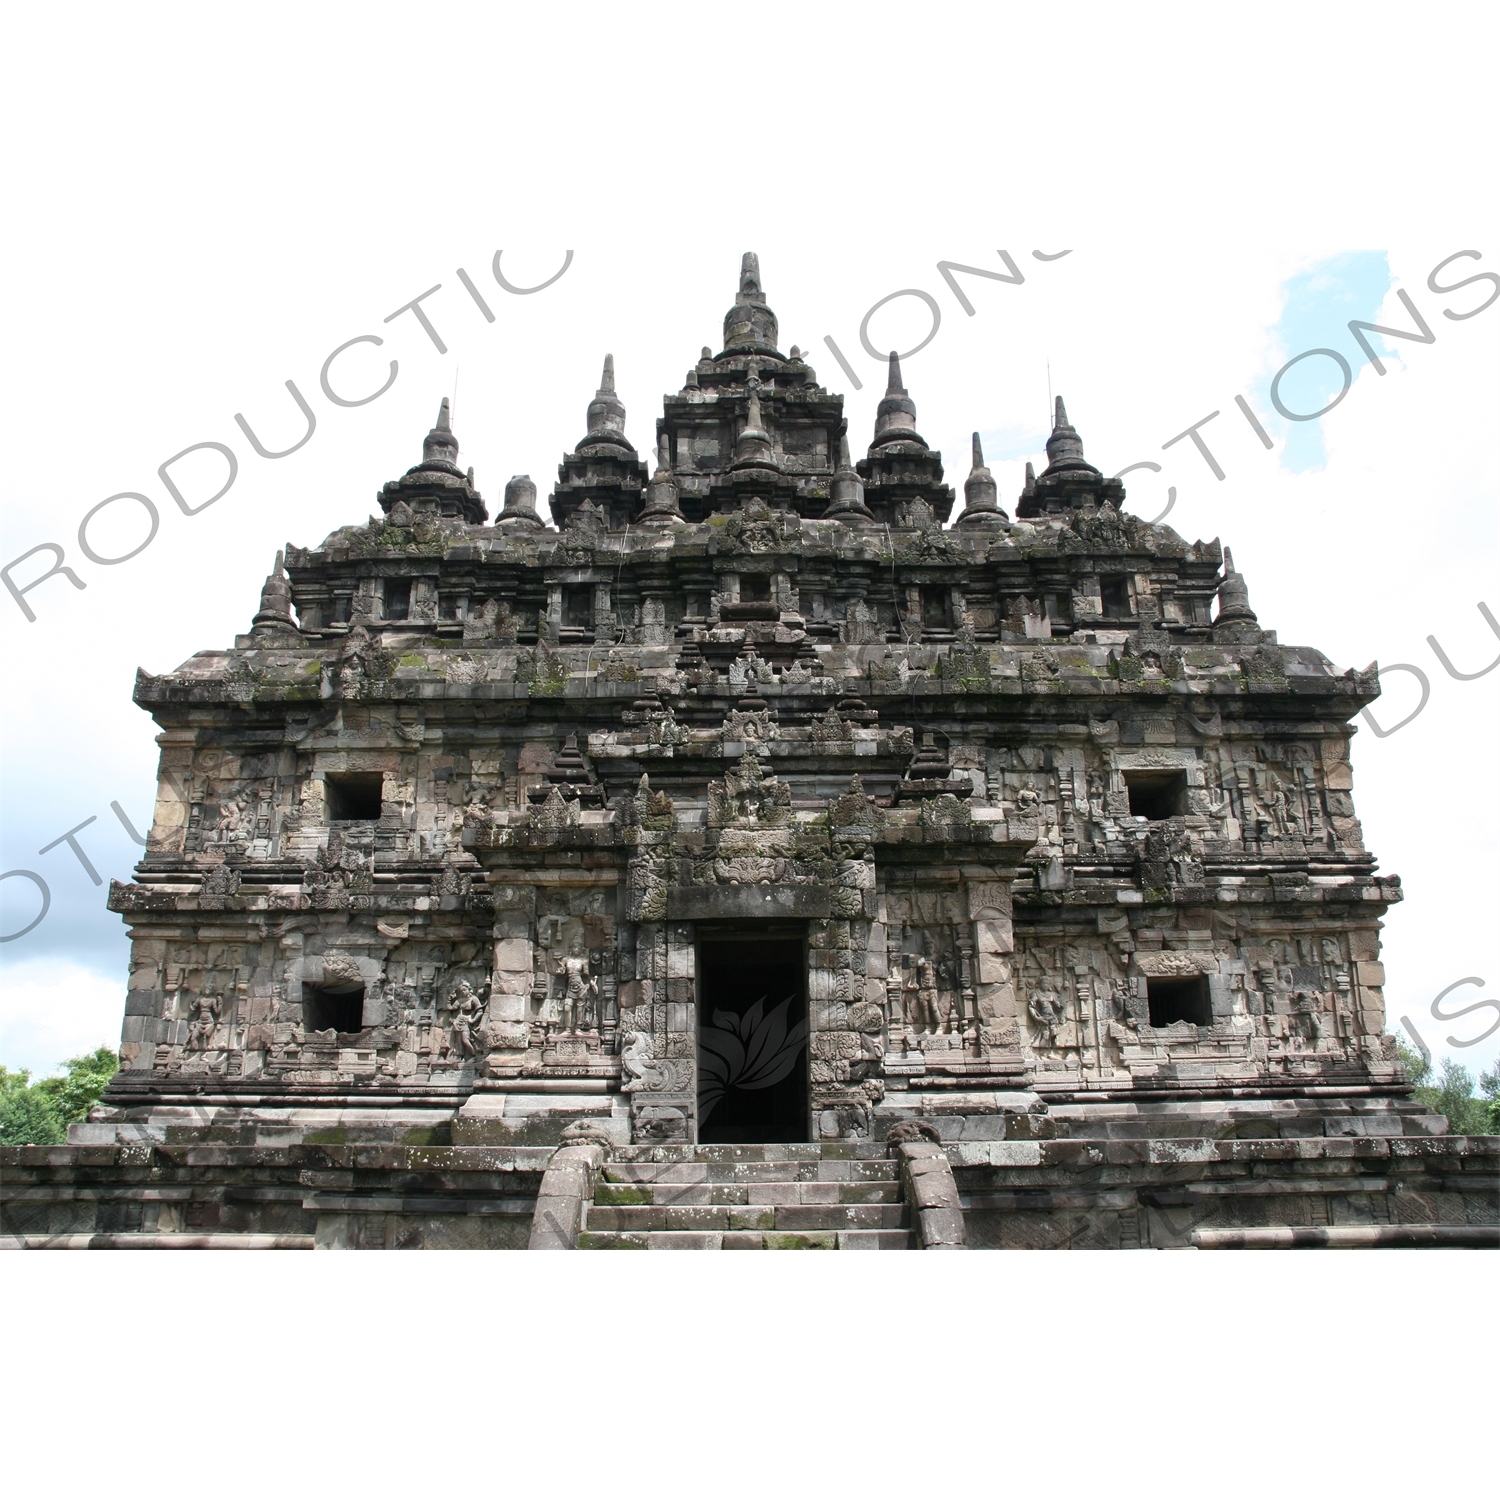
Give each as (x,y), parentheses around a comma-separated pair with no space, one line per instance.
(1452,1094)
(38,1114)
(1418,1068)
(1489,1086)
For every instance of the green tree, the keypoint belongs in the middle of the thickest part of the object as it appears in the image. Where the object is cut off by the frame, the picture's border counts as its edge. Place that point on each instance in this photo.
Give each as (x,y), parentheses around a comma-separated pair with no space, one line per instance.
(27,1115)
(1452,1093)
(38,1114)
(1453,1096)
(1489,1086)
(1418,1068)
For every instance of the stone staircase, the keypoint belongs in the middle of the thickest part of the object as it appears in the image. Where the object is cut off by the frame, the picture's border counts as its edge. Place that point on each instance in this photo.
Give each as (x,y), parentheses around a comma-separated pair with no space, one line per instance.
(776,1197)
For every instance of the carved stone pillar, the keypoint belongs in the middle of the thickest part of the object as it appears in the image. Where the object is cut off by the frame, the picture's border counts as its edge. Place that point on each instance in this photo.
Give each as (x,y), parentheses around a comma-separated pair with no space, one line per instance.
(994,977)
(658,1035)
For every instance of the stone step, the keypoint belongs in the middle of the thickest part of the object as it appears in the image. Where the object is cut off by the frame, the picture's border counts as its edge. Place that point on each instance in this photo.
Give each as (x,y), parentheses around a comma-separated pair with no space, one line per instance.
(788,1152)
(717,1218)
(808,1239)
(704,1194)
(751,1171)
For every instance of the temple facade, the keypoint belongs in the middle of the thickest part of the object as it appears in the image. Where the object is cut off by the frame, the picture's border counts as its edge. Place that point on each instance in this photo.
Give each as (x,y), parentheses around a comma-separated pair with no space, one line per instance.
(758,804)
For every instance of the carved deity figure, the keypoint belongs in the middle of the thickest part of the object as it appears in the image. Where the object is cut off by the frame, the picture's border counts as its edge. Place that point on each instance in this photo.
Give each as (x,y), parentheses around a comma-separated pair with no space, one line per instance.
(468,1013)
(353,660)
(205,1022)
(1049,1012)
(579,988)
(232,820)
(1309,1008)
(922,992)
(1278,809)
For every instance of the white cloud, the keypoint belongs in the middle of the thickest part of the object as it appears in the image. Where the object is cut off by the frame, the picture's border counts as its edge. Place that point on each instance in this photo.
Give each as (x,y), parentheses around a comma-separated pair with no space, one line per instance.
(52,1011)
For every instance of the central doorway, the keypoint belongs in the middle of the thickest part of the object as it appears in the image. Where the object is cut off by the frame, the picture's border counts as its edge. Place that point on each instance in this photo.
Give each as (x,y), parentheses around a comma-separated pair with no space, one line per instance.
(752,1036)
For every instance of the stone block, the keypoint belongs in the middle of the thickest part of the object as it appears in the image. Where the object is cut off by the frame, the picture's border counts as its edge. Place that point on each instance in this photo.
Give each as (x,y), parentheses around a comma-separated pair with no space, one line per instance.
(510,982)
(942,1228)
(510,1036)
(513,955)
(823,983)
(994,936)
(993,969)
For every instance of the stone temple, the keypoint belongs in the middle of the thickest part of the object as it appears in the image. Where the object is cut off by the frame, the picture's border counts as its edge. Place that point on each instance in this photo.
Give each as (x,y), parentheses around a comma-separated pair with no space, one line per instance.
(766,850)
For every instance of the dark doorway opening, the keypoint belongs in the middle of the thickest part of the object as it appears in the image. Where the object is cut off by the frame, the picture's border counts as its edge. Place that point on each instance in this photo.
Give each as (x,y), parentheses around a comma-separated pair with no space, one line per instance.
(752,1038)
(1173,1000)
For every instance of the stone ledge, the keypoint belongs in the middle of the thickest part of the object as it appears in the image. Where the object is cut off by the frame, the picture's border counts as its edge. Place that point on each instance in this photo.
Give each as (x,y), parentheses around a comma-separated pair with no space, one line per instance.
(1351,1237)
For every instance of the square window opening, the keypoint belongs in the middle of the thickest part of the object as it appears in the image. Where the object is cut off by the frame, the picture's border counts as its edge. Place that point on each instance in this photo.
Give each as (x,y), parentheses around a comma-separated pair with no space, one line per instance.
(333,1007)
(1157,794)
(1114,594)
(755,588)
(1172,1000)
(353,796)
(578,608)
(397,598)
(341,609)
(935,609)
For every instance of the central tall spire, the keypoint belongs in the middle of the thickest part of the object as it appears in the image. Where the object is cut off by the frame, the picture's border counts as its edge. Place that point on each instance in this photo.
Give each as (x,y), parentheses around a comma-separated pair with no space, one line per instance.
(750,326)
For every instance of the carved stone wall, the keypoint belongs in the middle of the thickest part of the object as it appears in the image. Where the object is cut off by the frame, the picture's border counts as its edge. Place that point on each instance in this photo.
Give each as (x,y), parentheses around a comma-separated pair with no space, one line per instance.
(1010,777)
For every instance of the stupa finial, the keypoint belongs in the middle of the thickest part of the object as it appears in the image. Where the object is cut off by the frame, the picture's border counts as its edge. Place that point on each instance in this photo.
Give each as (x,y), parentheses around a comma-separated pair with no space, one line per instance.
(848,501)
(1065,447)
(981,494)
(607,412)
(750,326)
(440,446)
(1234,595)
(896,416)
